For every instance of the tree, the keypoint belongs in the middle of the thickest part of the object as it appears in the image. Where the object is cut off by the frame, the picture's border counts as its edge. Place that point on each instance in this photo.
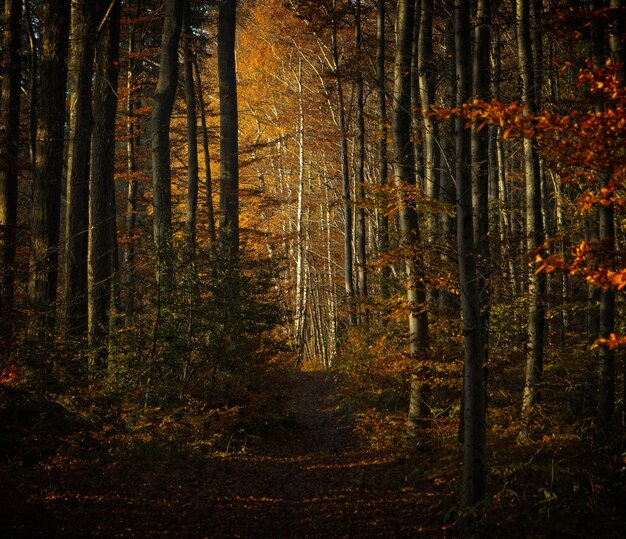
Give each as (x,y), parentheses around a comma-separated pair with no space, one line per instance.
(405,184)
(9,148)
(101,274)
(84,21)
(229,142)
(474,394)
(534,224)
(163,101)
(48,169)
(192,134)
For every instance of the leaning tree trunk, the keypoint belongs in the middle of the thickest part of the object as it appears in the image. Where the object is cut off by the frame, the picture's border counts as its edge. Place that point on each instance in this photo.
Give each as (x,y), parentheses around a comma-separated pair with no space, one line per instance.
(48,169)
(163,102)
(229,143)
(9,148)
(474,409)
(102,216)
(84,22)
(405,183)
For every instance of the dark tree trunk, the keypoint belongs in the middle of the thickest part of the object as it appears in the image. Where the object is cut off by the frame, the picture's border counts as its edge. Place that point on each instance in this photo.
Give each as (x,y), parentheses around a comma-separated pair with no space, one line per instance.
(84,22)
(474,409)
(383,221)
(192,136)
(405,183)
(360,233)
(48,169)
(9,148)
(229,142)
(102,215)
(207,161)
(163,101)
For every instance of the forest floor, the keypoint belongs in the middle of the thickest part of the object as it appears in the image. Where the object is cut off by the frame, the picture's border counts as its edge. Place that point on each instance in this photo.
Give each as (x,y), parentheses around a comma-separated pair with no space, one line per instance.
(307,475)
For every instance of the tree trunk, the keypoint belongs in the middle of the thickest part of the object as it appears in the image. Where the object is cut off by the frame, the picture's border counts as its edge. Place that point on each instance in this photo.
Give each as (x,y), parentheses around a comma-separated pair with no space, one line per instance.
(534,226)
(84,23)
(48,169)
(9,148)
(474,409)
(229,143)
(382,221)
(132,146)
(480,161)
(192,136)
(361,239)
(207,161)
(345,185)
(163,102)
(102,214)
(405,183)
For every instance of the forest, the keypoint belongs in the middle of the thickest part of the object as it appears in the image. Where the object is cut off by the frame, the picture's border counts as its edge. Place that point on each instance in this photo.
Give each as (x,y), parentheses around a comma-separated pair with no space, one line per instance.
(312,268)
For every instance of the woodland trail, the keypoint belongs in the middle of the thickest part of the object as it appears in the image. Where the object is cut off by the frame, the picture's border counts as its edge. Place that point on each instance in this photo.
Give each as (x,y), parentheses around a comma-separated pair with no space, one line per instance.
(309,478)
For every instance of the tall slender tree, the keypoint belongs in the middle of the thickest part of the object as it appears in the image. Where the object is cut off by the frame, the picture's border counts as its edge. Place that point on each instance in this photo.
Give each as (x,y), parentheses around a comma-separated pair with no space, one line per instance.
(9,147)
(192,134)
(405,184)
(534,223)
(229,141)
(101,273)
(163,102)
(84,15)
(474,394)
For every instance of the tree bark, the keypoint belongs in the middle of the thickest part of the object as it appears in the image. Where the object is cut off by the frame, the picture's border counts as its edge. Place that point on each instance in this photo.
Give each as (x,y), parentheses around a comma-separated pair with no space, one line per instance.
(48,169)
(534,223)
(207,161)
(229,143)
(84,22)
(405,184)
(383,220)
(9,148)
(192,135)
(474,409)
(163,102)
(360,228)
(102,213)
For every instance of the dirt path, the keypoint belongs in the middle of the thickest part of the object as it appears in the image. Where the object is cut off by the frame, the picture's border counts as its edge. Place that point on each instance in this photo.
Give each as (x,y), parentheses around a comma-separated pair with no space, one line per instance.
(311,479)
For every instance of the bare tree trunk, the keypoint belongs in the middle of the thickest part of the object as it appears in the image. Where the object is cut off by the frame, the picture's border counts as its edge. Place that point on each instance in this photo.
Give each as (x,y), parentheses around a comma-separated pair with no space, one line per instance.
(405,181)
(480,162)
(132,145)
(48,169)
(299,315)
(229,144)
(207,161)
(474,409)
(163,101)
(534,226)
(192,135)
(383,221)
(345,184)
(102,214)
(84,23)
(606,318)
(9,148)
(360,232)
